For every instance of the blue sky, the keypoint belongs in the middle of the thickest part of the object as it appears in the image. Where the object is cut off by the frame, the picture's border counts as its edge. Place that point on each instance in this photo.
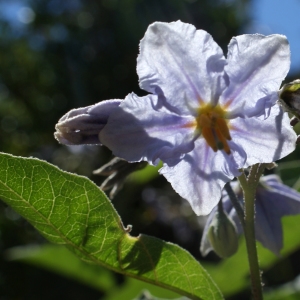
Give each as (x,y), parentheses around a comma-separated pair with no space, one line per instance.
(277,16)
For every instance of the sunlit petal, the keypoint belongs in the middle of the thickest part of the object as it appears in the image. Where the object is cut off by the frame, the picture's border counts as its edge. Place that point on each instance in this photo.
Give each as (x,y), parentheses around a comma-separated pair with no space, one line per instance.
(264,141)
(257,64)
(140,129)
(180,62)
(200,176)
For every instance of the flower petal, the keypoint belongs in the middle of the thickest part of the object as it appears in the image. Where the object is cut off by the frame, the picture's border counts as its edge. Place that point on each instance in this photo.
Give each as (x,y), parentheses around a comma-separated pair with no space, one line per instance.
(141,129)
(291,204)
(181,63)
(268,226)
(83,125)
(264,141)
(273,202)
(257,65)
(200,176)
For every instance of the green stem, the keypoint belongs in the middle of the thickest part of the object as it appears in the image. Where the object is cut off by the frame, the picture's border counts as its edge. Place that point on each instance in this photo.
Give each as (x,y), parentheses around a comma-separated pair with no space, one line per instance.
(249,186)
(235,202)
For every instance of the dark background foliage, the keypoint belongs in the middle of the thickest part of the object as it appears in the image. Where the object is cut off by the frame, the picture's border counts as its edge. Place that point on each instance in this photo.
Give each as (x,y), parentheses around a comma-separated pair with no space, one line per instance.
(66,54)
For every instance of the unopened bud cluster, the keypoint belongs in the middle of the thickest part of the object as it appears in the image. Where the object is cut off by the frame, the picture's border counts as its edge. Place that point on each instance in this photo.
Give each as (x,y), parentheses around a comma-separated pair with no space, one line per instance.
(289,99)
(222,235)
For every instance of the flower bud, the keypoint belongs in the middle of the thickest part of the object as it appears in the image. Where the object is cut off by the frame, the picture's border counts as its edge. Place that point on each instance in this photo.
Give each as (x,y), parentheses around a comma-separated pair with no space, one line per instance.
(83,125)
(222,235)
(289,97)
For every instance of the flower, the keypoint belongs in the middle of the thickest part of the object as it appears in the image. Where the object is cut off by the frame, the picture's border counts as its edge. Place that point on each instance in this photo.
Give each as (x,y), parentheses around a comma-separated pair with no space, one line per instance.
(273,201)
(207,116)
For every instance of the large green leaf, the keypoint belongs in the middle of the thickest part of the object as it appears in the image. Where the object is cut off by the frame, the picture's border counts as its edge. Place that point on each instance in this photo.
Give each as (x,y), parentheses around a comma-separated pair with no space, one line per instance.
(70,210)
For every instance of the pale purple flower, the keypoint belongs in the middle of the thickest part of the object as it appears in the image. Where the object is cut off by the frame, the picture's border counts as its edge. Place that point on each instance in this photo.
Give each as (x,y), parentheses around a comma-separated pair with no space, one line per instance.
(273,201)
(207,116)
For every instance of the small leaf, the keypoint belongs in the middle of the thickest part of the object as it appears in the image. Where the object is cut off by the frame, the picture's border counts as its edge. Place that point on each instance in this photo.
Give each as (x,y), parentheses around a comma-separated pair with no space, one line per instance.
(71,210)
(145,175)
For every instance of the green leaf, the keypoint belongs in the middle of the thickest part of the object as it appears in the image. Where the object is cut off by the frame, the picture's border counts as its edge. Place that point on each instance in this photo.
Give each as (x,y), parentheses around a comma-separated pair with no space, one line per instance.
(71,210)
(287,291)
(145,295)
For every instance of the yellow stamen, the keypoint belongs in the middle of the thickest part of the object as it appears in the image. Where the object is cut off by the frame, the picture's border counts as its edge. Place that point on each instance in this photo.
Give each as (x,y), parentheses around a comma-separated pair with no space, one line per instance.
(222,125)
(213,126)
(207,133)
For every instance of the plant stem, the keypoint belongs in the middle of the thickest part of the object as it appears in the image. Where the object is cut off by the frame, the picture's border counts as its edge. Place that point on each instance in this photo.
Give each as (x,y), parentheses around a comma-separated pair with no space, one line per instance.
(235,202)
(249,186)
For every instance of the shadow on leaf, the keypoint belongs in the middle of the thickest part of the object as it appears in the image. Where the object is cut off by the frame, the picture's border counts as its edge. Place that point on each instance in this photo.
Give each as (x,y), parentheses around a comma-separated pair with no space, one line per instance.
(140,254)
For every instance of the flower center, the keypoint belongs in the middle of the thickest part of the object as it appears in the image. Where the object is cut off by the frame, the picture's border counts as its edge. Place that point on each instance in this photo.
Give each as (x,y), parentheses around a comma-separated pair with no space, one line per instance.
(213,126)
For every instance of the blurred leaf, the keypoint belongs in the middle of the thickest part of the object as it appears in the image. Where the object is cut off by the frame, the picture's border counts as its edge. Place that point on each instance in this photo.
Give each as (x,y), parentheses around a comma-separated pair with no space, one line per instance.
(289,173)
(145,295)
(232,274)
(288,291)
(58,259)
(285,294)
(71,210)
(133,287)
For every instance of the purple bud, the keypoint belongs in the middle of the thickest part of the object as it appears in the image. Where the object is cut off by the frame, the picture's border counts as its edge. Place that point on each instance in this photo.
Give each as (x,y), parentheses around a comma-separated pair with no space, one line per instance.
(83,125)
